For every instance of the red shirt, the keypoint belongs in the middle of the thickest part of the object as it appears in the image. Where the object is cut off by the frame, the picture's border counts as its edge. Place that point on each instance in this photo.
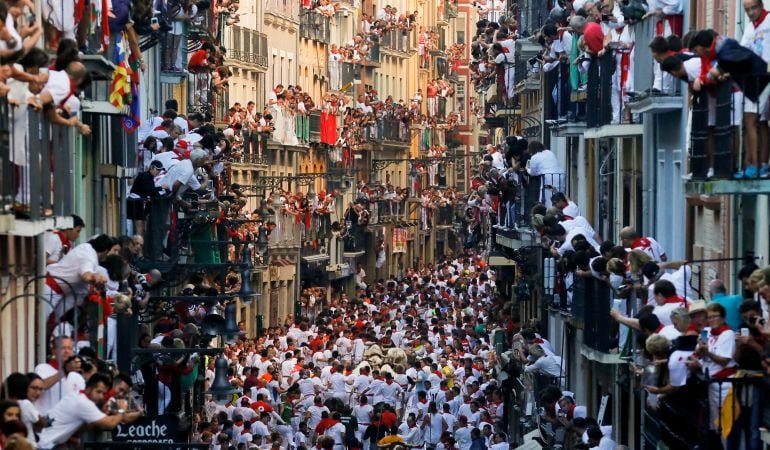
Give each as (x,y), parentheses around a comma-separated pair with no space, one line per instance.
(198,59)
(389,419)
(324,425)
(261,406)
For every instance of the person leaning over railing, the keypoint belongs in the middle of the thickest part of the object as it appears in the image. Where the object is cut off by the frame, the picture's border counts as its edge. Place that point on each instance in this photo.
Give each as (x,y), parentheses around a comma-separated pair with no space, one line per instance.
(143,189)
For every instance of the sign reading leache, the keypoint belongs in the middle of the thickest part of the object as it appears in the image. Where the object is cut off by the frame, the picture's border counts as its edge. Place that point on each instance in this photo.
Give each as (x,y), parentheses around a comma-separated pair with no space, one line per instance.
(158,429)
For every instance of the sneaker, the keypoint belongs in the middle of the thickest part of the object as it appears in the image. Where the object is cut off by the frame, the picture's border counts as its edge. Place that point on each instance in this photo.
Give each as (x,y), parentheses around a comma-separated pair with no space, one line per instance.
(710,173)
(764,171)
(751,172)
(739,175)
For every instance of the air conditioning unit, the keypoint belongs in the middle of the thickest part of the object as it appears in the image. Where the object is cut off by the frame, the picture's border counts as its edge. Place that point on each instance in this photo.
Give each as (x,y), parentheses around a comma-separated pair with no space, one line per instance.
(333,268)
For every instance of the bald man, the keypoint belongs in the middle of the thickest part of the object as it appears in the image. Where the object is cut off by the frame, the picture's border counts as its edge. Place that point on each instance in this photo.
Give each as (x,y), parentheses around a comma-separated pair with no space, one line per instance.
(633,240)
(60,99)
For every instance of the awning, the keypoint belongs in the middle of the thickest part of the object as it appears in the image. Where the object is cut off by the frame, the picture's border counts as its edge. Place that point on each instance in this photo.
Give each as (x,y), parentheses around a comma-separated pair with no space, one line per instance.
(315,258)
(529,443)
(501,261)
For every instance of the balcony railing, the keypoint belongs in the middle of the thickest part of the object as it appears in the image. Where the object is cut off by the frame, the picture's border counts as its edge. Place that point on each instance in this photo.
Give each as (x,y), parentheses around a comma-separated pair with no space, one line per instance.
(315,126)
(392,129)
(200,93)
(374,53)
(385,211)
(599,90)
(591,300)
(342,75)
(315,26)
(287,9)
(248,57)
(713,128)
(37,175)
(397,40)
(287,232)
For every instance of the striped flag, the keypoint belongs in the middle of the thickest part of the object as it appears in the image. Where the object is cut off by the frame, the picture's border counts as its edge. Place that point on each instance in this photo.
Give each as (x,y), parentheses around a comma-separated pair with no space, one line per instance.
(120,87)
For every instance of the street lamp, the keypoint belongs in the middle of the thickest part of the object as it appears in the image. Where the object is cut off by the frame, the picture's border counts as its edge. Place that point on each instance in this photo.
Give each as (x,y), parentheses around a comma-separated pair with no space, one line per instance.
(262,244)
(231,331)
(221,389)
(246,293)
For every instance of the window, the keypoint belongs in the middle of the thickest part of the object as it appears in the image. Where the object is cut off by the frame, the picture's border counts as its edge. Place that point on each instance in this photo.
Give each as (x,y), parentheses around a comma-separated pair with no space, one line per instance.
(460,37)
(460,101)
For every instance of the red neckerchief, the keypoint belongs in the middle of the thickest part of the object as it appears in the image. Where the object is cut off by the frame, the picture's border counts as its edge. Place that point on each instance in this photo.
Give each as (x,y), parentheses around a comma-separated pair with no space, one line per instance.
(674,299)
(642,243)
(54,363)
(660,327)
(761,19)
(72,92)
(691,328)
(389,381)
(720,330)
(65,243)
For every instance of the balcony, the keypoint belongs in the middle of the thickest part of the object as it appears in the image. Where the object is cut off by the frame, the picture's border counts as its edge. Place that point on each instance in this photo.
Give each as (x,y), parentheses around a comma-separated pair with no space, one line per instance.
(248,58)
(315,27)
(395,41)
(591,300)
(386,211)
(343,75)
(315,126)
(38,182)
(602,120)
(648,97)
(287,232)
(373,58)
(280,11)
(451,9)
(713,136)
(392,130)
(200,94)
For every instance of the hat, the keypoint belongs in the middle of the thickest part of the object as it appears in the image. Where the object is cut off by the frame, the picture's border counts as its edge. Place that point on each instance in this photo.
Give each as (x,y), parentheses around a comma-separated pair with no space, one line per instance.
(696,306)
(182,144)
(471,380)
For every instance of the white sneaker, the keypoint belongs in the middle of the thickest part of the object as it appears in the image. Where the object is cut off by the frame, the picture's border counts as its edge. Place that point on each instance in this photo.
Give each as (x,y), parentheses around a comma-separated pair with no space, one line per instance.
(710,173)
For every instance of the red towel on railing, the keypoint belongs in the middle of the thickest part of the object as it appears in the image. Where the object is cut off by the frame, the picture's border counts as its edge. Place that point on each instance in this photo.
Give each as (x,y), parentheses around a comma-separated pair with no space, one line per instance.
(328,128)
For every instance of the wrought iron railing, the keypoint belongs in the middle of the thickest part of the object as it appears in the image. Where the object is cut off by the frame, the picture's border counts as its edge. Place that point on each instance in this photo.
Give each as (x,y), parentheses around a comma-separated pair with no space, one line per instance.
(315,26)
(37,165)
(248,57)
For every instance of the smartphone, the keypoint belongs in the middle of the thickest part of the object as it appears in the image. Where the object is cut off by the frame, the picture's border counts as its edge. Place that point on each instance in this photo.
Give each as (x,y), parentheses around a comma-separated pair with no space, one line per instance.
(704,335)
(154,21)
(745,332)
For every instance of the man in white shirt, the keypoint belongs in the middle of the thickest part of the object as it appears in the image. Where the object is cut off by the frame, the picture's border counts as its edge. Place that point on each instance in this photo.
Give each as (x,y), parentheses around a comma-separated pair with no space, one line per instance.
(69,279)
(631,239)
(544,164)
(756,36)
(548,365)
(181,176)
(560,234)
(568,208)
(77,410)
(59,242)
(53,379)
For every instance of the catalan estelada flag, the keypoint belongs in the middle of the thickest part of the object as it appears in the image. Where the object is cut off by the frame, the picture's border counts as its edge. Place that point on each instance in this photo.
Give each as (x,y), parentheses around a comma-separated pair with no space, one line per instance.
(120,87)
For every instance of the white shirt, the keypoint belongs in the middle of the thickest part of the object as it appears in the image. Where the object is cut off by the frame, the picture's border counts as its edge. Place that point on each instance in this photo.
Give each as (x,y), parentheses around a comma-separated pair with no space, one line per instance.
(757,38)
(337,431)
(363,414)
(669,7)
(669,332)
(723,346)
(567,244)
(315,415)
(677,367)
(53,246)
(67,417)
(544,162)
(58,86)
(664,312)
(546,365)
(29,415)
(651,247)
(80,259)
(571,210)
(183,172)
(679,278)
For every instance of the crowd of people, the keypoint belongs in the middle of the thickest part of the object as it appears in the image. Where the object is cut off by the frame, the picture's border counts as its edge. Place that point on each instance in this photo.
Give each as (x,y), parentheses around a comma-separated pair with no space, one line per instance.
(404,361)
(579,34)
